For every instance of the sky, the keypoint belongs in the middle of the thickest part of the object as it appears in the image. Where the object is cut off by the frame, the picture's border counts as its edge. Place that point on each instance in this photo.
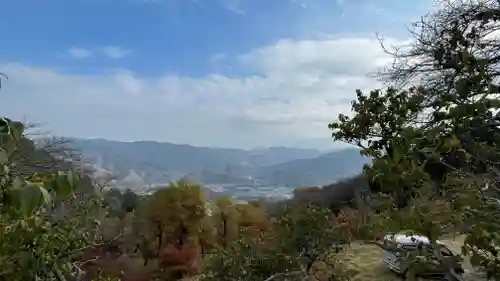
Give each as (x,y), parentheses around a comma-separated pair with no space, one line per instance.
(223,73)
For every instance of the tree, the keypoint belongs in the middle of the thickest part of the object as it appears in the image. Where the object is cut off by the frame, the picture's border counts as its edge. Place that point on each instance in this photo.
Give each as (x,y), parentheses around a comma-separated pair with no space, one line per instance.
(113,198)
(455,58)
(208,235)
(234,220)
(144,233)
(120,204)
(253,218)
(130,200)
(171,224)
(226,220)
(434,132)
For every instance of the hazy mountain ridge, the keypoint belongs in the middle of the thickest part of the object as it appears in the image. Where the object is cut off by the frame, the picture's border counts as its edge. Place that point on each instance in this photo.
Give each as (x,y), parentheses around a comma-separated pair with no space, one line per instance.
(318,171)
(151,163)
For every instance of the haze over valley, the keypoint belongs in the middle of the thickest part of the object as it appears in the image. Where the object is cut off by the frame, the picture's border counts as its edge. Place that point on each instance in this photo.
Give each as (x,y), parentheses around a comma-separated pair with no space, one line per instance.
(244,174)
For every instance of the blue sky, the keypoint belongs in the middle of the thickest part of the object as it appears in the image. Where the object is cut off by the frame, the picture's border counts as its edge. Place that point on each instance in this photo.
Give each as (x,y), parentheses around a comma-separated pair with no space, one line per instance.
(227,73)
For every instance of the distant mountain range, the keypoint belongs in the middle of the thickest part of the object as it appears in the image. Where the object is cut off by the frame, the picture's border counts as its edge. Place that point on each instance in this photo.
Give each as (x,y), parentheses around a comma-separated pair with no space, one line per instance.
(144,163)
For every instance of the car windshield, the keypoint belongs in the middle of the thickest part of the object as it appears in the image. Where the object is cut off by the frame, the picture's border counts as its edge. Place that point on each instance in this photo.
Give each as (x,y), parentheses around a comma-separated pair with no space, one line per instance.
(445,251)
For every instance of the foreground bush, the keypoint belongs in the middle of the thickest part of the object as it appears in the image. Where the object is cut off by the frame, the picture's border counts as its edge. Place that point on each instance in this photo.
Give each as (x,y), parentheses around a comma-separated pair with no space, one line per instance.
(44,227)
(297,239)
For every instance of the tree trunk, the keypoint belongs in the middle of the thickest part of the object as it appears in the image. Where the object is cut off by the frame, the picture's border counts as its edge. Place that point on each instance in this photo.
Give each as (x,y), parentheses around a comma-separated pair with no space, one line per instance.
(160,238)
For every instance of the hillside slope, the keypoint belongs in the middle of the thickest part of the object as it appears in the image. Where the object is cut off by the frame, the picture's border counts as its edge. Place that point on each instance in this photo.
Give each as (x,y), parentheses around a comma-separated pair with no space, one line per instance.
(157,161)
(317,171)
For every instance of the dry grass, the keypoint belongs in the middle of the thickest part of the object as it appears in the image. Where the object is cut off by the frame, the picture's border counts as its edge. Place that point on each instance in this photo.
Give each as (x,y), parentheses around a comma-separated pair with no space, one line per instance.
(368,260)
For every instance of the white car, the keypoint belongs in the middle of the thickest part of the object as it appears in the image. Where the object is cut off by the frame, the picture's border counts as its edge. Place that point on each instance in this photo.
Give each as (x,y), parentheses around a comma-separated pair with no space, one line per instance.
(397,263)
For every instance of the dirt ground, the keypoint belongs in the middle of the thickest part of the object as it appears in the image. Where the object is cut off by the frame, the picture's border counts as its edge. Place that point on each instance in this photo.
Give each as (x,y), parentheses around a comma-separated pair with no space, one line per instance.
(368,260)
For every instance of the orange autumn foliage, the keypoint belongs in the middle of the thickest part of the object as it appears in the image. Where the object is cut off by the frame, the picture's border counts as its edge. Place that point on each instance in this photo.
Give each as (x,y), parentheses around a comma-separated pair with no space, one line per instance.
(184,260)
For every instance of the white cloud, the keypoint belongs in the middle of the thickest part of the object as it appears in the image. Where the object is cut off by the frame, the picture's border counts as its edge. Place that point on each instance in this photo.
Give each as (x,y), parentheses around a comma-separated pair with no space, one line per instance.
(115,52)
(79,53)
(301,87)
(344,56)
(235,6)
(301,3)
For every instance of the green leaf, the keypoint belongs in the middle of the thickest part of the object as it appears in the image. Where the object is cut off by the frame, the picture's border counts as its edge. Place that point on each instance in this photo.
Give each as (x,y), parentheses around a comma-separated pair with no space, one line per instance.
(17,130)
(4,156)
(46,198)
(15,194)
(61,186)
(5,125)
(396,154)
(33,197)
(73,179)
(17,183)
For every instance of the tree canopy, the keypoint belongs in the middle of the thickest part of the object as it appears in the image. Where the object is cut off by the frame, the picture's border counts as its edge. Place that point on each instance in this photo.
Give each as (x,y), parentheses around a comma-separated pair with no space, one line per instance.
(434,131)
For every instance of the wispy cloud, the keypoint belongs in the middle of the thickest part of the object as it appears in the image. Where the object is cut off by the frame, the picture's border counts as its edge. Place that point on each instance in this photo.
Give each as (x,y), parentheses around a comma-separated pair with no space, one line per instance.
(301,3)
(79,53)
(235,6)
(115,52)
(217,61)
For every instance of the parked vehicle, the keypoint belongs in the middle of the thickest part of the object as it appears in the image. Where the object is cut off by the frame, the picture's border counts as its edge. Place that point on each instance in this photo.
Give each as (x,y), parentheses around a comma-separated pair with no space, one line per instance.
(398,248)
